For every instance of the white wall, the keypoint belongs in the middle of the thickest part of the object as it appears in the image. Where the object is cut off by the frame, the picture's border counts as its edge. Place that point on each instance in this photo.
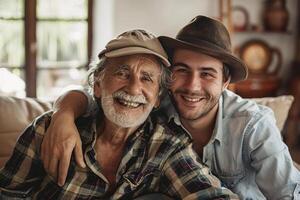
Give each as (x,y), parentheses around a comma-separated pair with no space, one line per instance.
(103,24)
(166,17)
(161,17)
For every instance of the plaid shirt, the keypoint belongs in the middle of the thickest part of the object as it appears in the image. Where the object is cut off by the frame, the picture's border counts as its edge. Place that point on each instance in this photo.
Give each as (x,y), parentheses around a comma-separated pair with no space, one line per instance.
(154,160)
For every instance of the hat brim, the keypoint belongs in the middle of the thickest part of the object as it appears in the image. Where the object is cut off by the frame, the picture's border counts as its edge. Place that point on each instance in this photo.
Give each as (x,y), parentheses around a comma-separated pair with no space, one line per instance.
(237,67)
(133,50)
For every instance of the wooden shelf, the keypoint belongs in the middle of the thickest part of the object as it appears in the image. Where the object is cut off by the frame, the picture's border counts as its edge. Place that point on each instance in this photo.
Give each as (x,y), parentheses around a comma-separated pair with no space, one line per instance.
(262,32)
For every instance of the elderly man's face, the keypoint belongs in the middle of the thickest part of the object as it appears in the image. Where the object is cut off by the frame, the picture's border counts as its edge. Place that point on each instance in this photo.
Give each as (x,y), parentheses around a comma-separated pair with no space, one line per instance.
(129,89)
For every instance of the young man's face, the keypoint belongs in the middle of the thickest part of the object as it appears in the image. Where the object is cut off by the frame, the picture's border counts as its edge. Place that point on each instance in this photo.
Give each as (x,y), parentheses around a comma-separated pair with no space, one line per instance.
(129,89)
(197,83)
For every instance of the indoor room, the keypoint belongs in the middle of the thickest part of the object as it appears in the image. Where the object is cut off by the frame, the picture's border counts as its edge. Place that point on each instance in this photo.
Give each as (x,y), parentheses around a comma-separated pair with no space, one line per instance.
(47,48)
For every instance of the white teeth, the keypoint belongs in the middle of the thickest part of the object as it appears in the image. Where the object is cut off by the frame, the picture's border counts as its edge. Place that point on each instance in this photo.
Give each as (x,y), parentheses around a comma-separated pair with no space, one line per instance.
(128,103)
(192,99)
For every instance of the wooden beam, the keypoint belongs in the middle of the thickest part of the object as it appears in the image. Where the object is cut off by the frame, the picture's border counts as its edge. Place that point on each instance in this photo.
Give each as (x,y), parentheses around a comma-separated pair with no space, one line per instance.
(30,47)
(90,30)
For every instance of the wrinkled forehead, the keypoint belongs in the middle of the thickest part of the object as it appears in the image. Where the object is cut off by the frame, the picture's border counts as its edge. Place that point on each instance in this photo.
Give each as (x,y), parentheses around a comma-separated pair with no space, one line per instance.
(144,62)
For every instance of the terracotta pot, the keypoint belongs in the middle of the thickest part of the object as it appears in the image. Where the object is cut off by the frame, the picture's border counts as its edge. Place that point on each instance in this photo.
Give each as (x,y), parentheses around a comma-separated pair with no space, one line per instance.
(275,15)
(258,85)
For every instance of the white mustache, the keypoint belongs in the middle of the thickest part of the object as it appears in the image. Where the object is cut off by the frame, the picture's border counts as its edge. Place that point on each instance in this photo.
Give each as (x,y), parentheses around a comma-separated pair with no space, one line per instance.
(141,99)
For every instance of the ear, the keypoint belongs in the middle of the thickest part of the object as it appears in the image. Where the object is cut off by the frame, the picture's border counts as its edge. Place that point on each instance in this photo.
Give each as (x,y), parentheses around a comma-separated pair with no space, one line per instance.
(157,103)
(225,84)
(97,89)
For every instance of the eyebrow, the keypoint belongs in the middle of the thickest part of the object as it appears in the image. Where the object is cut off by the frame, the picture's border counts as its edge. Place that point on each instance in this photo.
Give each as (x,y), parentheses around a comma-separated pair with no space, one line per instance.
(210,69)
(150,74)
(127,68)
(201,69)
(121,67)
(180,64)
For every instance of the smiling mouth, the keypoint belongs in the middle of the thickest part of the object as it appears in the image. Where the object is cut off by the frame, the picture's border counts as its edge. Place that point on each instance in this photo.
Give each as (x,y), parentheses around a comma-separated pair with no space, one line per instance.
(192,99)
(129,104)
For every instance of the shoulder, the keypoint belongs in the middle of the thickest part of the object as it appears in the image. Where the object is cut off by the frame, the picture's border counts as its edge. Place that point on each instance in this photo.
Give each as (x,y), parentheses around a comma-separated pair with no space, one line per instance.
(246,120)
(235,106)
(173,147)
(173,135)
(165,140)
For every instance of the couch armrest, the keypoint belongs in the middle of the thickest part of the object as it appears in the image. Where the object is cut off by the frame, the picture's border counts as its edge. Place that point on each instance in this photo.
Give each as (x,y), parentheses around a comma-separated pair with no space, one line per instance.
(16,114)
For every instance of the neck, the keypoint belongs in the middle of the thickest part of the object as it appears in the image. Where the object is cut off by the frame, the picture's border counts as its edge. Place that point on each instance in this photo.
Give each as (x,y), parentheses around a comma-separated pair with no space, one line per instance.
(201,128)
(114,135)
(109,148)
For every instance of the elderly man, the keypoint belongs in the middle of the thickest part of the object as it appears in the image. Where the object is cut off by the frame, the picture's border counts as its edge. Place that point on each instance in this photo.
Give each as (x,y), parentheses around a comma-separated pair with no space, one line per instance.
(127,153)
(235,137)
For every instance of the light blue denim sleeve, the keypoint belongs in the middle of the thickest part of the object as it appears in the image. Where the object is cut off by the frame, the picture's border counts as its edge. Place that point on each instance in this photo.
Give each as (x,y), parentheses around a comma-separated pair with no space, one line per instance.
(276,176)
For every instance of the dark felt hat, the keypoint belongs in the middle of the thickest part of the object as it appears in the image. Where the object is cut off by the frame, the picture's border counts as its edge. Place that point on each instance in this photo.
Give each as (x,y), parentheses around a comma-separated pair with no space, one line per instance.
(210,37)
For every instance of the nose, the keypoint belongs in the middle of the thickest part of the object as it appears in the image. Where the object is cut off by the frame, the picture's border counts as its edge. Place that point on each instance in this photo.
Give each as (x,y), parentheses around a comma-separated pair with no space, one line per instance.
(134,86)
(193,82)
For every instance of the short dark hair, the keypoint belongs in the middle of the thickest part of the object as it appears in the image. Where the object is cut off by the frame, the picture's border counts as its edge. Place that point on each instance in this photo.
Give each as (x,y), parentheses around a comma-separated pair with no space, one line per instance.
(226,73)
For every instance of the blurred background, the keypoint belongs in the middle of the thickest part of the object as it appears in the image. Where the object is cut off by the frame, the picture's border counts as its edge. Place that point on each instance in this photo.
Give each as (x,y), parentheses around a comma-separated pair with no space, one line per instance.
(46,45)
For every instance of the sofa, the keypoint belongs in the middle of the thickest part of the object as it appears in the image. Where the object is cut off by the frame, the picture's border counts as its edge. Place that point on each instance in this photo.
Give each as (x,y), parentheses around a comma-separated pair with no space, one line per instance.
(17,113)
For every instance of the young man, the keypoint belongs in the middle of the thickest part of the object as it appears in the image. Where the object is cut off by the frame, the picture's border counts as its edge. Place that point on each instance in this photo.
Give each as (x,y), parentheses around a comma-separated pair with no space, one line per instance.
(236,138)
(128,154)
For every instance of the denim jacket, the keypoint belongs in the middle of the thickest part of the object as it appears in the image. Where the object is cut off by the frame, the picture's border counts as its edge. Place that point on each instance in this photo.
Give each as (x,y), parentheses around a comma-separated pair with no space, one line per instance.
(246,151)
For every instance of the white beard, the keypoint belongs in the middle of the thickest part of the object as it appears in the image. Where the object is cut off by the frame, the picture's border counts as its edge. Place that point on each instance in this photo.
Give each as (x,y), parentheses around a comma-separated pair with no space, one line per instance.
(123,119)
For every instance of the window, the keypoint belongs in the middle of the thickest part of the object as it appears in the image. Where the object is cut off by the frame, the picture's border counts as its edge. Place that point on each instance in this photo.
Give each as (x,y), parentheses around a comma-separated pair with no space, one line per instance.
(46,46)
(12,56)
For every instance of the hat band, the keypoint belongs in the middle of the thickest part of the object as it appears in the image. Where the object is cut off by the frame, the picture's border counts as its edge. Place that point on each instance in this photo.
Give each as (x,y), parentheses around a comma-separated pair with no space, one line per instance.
(200,43)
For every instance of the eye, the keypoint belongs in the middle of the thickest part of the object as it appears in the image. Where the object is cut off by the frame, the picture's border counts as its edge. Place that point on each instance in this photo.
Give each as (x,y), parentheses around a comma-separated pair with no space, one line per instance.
(147,78)
(206,75)
(124,74)
(179,69)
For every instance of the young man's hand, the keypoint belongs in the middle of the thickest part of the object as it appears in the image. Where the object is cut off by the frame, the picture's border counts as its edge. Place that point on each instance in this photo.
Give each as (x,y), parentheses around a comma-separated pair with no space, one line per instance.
(60,140)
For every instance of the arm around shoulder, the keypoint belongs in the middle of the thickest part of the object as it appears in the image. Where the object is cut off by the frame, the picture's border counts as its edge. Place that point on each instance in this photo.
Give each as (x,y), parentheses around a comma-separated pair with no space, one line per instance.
(62,137)
(73,102)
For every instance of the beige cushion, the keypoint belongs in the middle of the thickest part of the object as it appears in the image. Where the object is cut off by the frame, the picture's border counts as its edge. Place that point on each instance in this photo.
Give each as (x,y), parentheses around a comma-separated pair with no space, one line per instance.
(15,115)
(280,106)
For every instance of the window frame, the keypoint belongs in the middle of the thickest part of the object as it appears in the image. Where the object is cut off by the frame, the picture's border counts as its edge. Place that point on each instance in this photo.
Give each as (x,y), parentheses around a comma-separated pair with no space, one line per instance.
(30,44)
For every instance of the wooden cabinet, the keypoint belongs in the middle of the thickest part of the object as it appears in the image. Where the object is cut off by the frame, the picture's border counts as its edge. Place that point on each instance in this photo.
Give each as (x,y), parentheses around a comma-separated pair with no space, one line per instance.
(258,86)
(249,26)
(245,20)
